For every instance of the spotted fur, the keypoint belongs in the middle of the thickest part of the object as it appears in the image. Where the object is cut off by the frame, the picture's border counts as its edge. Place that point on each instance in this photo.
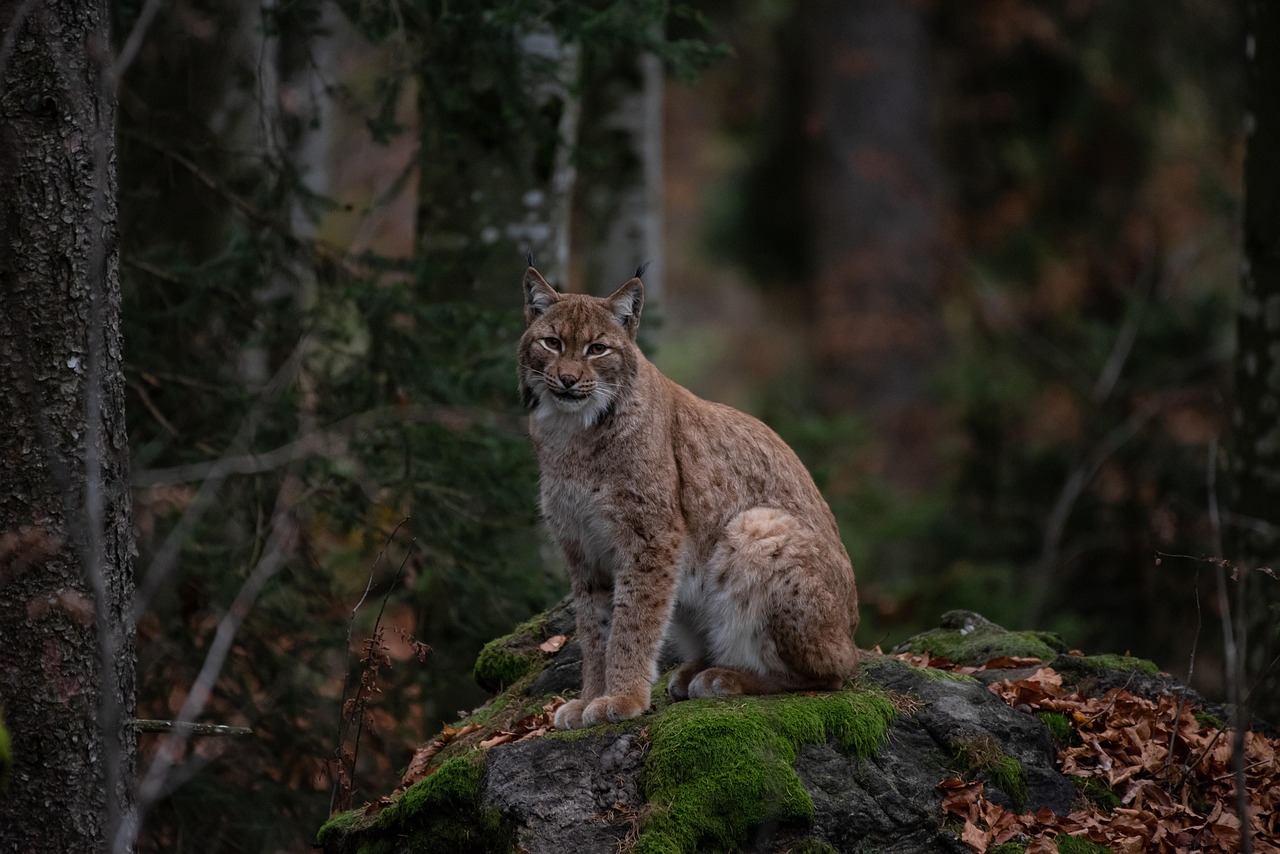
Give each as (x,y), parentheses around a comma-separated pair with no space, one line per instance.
(679,519)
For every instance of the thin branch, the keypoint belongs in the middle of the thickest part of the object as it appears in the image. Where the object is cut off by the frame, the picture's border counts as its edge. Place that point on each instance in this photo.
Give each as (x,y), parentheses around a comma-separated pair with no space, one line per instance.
(283,534)
(1078,478)
(195,729)
(316,250)
(144,397)
(134,42)
(377,623)
(1191,667)
(327,442)
(166,556)
(343,720)
(152,270)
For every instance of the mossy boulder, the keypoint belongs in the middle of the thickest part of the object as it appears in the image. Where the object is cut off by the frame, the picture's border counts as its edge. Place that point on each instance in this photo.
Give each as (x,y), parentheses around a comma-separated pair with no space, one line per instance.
(507,660)
(850,770)
(965,637)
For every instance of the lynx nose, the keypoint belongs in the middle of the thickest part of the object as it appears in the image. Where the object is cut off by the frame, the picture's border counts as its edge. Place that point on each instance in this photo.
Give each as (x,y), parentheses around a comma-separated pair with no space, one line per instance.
(568,380)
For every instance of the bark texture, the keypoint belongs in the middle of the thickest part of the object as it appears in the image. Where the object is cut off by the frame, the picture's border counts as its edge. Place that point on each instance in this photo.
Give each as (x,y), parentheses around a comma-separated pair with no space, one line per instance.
(1256,418)
(66,648)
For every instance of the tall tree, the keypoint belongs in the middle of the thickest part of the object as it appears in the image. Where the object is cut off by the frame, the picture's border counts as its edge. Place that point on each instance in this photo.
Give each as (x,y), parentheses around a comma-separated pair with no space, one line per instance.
(1256,416)
(872,181)
(66,661)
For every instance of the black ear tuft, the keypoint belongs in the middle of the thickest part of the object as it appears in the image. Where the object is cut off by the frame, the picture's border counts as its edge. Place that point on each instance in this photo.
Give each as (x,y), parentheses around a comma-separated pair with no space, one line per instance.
(528,256)
(640,270)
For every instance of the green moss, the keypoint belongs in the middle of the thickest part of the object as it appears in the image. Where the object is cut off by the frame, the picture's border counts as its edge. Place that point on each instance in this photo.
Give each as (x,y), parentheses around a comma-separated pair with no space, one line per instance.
(1078,845)
(944,675)
(340,826)
(486,712)
(1207,720)
(1060,727)
(500,665)
(1123,663)
(972,640)
(1097,792)
(439,815)
(717,769)
(1008,848)
(980,755)
(503,661)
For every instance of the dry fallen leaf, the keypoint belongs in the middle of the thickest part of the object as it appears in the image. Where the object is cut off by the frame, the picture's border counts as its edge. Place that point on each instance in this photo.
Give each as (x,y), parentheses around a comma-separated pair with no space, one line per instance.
(553,644)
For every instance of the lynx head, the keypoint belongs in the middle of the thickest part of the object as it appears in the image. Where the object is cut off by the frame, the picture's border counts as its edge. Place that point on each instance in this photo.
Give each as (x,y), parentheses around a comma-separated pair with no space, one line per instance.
(578,356)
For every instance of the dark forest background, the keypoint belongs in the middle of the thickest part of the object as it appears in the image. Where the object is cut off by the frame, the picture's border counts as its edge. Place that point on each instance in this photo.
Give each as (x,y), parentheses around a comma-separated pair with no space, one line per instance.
(977,262)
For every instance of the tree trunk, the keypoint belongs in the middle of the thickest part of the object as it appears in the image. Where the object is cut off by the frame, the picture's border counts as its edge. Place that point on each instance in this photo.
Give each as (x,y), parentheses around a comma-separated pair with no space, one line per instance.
(619,198)
(495,170)
(872,179)
(1256,417)
(66,660)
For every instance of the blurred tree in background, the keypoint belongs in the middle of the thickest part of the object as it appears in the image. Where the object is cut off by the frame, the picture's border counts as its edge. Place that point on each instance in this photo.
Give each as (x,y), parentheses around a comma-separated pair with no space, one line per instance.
(1065,219)
(977,262)
(323,214)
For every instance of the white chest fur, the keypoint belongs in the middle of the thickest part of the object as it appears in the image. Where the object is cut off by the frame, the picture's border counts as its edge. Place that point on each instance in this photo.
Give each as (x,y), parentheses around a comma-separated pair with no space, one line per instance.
(581,514)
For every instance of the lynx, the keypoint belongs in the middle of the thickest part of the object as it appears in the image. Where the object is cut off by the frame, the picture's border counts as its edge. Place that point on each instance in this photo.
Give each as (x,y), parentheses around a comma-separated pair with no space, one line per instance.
(680,520)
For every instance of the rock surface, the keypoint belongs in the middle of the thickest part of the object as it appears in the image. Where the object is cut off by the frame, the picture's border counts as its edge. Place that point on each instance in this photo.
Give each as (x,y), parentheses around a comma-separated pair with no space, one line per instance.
(591,791)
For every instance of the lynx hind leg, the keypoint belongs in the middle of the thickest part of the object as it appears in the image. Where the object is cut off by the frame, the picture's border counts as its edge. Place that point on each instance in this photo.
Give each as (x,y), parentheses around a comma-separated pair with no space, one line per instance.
(786,596)
(728,682)
(678,684)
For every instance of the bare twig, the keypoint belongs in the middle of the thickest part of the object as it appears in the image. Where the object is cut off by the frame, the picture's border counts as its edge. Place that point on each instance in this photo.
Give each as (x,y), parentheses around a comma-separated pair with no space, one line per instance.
(196,729)
(166,557)
(315,250)
(331,440)
(153,783)
(1080,476)
(132,44)
(344,719)
(1191,667)
(373,639)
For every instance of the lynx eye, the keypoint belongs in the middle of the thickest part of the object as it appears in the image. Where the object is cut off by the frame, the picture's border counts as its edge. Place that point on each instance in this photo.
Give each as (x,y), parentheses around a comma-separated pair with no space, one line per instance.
(596,349)
(552,344)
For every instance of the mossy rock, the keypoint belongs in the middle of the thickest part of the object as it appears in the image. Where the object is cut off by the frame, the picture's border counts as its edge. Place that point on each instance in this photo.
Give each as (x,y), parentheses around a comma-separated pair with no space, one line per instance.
(981,757)
(784,773)
(1094,664)
(970,639)
(443,814)
(718,769)
(506,660)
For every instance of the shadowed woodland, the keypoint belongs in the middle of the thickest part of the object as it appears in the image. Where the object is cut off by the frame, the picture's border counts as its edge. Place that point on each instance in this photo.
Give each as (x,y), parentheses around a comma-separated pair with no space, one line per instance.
(998,271)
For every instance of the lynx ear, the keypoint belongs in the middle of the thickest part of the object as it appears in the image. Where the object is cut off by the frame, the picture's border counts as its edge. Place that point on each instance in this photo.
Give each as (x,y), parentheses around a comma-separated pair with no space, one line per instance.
(538,295)
(626,302)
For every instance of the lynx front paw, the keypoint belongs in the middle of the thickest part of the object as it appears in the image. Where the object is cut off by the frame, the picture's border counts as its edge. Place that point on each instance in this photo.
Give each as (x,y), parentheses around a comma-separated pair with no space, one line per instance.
(614,708)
